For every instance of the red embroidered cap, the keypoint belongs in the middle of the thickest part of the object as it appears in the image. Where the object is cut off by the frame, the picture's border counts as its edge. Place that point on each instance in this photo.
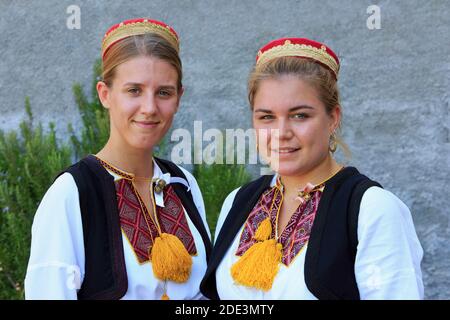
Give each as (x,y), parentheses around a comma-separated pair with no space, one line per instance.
(135,27)
(299,47)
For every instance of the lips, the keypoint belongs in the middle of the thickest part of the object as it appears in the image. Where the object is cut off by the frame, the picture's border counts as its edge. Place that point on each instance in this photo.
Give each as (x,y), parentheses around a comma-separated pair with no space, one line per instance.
(146,124)
(285,150)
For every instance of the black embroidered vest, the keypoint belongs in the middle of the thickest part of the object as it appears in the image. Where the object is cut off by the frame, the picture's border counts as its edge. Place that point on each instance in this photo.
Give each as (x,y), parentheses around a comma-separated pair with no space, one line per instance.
(105,272)
(330,258)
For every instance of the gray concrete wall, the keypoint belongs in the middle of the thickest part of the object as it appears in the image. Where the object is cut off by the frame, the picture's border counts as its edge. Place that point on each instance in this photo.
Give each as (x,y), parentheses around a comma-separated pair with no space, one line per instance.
(394,81)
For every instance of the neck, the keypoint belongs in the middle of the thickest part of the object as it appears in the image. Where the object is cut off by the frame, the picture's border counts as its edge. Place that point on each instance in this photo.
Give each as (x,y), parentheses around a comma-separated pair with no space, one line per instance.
(136,161)
(315,175)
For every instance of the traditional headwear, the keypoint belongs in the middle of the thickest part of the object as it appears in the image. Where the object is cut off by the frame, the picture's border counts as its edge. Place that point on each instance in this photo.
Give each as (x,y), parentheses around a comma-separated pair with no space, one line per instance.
(299,47)
(136,27)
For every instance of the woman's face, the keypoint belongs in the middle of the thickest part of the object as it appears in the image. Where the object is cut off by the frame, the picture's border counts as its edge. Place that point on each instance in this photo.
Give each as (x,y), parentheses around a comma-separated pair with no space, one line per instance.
(142,101)
(292,124)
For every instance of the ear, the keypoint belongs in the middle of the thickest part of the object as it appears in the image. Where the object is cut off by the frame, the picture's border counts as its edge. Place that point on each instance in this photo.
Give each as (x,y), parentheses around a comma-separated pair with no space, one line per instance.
(335,116)
(103,93)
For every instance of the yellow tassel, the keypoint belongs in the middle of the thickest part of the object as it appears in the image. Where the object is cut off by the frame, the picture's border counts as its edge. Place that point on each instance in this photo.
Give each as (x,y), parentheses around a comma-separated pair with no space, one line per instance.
(165,297)
(264,230)
(259,265)
(170,259)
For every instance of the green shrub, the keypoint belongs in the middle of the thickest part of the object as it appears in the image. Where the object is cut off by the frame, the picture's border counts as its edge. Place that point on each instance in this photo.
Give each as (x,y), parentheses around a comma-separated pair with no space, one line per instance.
(28,164)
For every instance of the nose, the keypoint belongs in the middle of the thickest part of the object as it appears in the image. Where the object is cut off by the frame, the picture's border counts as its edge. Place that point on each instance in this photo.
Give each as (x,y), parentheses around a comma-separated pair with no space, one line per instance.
(149,104)
(283,130)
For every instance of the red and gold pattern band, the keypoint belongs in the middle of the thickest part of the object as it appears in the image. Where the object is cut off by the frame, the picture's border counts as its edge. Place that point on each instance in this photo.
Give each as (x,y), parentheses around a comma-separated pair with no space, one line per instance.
(299,47)
(134,27)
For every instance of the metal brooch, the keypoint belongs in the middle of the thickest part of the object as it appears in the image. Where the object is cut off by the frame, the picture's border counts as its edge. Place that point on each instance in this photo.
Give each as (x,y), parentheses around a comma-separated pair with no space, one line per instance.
(159,185)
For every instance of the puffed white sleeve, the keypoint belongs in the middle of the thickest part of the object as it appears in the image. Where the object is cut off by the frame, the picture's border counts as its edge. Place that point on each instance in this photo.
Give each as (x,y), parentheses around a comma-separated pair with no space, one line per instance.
(198,198)
(56,265)
(389,253)
(226,206)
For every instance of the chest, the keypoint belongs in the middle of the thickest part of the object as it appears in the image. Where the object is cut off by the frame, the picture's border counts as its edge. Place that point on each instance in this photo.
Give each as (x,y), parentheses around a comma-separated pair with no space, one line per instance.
(291,225)
(143,192)
(287,209)
(142,220)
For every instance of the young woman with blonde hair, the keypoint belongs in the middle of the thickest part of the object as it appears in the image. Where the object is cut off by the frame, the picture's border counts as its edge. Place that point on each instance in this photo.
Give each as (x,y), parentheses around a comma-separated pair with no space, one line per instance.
(123,224)
(316,229)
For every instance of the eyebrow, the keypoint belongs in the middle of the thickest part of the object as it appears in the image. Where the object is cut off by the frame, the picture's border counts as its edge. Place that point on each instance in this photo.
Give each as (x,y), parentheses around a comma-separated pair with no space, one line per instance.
(169,87)
(137,84)
(296,108)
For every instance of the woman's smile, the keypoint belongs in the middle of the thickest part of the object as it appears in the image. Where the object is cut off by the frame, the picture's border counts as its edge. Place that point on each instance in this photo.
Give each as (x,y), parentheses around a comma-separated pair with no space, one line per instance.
(285,152)
(145,124)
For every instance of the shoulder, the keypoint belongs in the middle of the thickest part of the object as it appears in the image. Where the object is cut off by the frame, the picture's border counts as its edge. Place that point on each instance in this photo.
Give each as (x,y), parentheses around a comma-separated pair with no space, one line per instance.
(63,187)
(382,200)
(63,191)
(60,203)
(380,209)
(377,202)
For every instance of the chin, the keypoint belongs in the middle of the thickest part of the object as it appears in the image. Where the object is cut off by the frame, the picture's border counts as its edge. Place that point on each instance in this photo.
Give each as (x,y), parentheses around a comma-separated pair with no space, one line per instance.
(143,145)
(287,169)
(287,172)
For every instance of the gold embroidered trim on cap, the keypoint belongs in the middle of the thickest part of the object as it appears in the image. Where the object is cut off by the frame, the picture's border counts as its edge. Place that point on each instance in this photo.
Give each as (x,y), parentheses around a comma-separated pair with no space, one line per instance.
(138,28)
(289,49)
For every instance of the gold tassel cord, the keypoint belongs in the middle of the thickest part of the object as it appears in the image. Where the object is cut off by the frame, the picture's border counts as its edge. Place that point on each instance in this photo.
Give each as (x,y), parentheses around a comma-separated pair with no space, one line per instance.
(264,230)
(259,265)
(165,297)
(170,259)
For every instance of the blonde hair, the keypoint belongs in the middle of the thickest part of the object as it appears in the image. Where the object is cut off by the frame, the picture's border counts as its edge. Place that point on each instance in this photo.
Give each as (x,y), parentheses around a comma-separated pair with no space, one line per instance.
(148,44)
(310,71)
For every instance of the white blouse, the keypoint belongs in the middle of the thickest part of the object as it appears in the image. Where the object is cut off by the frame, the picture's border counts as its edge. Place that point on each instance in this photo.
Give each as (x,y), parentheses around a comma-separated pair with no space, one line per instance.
(56,266)
(387,262)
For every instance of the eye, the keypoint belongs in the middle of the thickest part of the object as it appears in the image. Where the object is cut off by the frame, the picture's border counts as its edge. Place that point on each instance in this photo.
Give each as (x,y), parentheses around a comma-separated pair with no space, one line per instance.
(134,91)
(165,93)
(266,117)
(300,116)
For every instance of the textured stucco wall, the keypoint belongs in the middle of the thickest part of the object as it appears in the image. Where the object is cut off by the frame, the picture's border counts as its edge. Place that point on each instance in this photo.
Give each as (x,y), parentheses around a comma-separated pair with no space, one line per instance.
(394,81)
